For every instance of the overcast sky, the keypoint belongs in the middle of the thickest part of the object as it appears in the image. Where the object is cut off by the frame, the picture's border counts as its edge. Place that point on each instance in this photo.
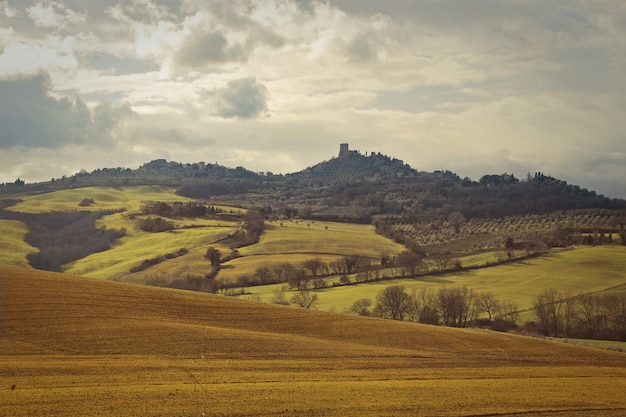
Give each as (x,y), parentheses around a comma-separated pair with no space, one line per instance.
(476,87)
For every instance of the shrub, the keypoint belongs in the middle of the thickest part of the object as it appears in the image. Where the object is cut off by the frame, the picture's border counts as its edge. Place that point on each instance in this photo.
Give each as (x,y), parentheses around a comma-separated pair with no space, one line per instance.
(86,202)
(155,225)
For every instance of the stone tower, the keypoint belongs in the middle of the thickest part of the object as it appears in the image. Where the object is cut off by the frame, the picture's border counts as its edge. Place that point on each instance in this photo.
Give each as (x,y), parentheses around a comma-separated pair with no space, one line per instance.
(343,150)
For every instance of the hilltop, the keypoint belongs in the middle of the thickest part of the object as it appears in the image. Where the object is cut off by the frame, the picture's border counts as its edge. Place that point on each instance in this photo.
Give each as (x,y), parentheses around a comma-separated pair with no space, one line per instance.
(349,187)
(135,350)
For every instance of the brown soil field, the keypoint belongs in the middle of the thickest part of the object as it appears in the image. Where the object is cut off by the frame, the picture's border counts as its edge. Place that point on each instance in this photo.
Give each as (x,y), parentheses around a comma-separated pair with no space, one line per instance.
(78,346)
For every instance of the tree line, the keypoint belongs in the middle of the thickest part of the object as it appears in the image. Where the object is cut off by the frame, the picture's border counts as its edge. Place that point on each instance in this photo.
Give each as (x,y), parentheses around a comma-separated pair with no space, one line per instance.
(586,316)
(181,209)
(448,306)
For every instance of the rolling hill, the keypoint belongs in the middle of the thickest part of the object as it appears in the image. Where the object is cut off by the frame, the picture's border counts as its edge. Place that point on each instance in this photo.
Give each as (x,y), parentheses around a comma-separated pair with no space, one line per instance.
(77,346)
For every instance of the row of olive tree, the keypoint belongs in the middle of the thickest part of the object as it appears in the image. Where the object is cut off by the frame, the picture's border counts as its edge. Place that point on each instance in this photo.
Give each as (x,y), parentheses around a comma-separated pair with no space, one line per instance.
(589,316)
(455,307)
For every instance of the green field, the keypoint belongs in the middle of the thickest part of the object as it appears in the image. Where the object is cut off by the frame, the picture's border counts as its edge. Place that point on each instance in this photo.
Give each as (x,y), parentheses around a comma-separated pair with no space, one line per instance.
(76,346)
(12,245)
(105,198)
(297,241)
(293,241)
(580,270)
(322,238)
(130,251)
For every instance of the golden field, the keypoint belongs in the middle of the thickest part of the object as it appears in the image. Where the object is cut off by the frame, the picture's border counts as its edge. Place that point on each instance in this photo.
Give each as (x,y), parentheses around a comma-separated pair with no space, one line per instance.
(77,346)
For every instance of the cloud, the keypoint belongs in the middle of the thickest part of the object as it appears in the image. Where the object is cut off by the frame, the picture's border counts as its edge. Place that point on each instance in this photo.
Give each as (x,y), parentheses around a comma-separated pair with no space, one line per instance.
(486,86)
(31,117)
(52,14)
(202,48)
(243,98)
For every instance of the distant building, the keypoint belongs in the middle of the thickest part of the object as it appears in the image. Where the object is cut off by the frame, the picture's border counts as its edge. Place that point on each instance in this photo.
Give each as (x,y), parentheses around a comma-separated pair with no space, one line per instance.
(345,151)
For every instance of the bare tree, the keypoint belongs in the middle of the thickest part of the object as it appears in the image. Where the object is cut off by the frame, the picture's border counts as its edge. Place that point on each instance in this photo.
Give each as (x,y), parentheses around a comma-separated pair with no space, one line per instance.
(314,265)
(284,271)
(410,263)
(456,219)
(305,299)
(278,297)
(488,303)
(509,311)
(456,305)
(393,301)
(547,307)
(299,280)
(427,304)
(263,274)
(319,283)
(361,307)
(442,261)
(214,256)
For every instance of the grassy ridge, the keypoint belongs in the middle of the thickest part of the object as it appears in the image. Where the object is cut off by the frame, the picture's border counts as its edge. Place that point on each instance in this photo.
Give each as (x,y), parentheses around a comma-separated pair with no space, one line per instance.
(105,198)
(297,241)
(74,346)
(12,245)
(323,238)
(130,251)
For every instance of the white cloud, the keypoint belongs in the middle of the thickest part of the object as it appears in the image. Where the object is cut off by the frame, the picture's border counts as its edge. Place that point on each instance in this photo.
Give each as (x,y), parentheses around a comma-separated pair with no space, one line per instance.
(476,87)
(243,98)
(52,14)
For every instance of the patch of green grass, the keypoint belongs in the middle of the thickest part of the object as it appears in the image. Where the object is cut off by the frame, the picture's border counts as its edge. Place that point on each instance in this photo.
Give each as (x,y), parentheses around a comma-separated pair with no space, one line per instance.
(296,241)
(130,251)
(105,198)
(581,270)
(12,245)
(322,238)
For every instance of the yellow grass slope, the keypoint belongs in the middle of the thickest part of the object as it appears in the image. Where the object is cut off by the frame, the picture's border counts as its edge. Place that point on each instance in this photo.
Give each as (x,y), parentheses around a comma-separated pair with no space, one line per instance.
(75,346)
(580,270)
(12,245)
(105,198)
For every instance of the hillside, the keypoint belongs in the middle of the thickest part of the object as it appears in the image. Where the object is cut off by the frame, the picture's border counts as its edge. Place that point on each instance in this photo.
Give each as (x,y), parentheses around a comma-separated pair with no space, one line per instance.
(136,350)
(351,186)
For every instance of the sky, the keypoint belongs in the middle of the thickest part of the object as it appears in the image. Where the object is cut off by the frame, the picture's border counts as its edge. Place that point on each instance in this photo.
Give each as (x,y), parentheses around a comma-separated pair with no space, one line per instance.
(475,87)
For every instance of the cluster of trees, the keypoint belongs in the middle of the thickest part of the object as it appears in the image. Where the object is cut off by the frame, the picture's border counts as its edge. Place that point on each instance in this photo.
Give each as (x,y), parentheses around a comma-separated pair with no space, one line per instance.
(155,225)
(588,316)
(180,209)
(454,307)
(303,299)
(206,283)
(304,276)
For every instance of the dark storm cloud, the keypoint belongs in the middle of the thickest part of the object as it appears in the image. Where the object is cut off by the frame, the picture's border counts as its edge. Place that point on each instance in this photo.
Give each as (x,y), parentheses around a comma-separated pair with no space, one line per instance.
(31,117)
(244,98)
